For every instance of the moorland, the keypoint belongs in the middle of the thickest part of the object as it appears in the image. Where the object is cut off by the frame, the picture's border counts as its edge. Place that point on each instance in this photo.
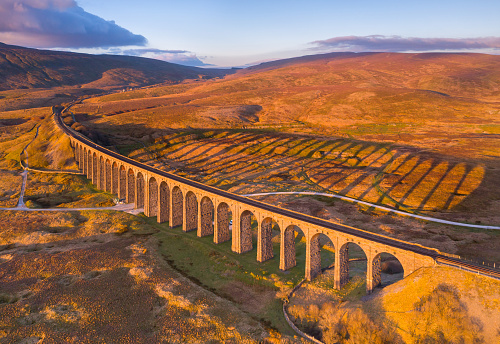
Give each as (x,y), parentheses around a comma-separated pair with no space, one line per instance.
(414,132)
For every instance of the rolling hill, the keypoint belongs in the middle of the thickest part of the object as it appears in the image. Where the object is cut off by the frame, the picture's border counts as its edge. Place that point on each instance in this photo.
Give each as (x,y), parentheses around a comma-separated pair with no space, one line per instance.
(25,68)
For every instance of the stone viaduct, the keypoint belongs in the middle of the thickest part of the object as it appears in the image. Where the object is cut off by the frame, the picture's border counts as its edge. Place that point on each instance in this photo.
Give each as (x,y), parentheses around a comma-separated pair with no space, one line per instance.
(209,211)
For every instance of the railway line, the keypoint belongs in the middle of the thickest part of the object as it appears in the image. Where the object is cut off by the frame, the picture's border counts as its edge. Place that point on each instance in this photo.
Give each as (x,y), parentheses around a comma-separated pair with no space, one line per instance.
(439,257)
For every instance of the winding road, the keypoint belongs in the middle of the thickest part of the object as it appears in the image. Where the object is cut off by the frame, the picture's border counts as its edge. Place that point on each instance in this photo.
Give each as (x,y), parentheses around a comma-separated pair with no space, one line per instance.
(426,218)
(20,203)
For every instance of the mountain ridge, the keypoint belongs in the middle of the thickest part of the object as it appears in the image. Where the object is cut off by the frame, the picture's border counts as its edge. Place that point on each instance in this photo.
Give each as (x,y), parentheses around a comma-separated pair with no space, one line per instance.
(26,68)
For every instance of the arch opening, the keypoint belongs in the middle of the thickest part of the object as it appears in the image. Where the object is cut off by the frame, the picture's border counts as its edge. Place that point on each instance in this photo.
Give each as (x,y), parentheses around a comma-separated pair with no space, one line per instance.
(94,169)
(386,270)
(248,232)
(100,174)
(163,203)
(89,165)
(191,212)
(352,265)
(114,178)
(224,223)
(153,197)
(292,247)
(320,255)
(122,183)
(206,226)
(177,207)
(107,176)
(130,186)
(139,194)
(85,162)
(268,237)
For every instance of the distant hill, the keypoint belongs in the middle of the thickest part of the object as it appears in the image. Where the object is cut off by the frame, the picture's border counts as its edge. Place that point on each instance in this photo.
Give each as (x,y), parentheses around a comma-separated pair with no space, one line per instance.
(458,74)
(32,68)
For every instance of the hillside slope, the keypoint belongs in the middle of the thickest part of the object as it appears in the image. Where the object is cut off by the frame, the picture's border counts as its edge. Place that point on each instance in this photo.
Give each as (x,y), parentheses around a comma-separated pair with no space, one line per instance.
(31,68)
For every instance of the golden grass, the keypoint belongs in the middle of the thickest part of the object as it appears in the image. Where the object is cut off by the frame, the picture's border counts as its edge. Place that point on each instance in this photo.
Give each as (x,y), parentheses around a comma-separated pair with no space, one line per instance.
(45,190)
(10,188)
(433,305)
(69,275)
(443,303)
(51,149)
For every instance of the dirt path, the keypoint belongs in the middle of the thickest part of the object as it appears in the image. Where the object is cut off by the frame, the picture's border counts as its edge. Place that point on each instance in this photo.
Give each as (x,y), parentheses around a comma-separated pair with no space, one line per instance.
(20,203)
(426,218)
(128,208)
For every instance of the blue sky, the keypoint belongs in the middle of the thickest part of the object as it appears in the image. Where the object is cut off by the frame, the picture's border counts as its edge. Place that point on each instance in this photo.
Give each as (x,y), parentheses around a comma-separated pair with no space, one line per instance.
(235,33)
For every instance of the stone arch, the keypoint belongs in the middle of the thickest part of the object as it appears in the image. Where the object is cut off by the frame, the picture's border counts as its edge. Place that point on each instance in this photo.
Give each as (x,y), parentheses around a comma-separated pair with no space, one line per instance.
(345,264)
(191,212)
(107,176)
(139,193)
(114,178)
(177,207)
(163,202)
(100,174)
(130,196)
(84,160)
(247,222)
(94,169)
(80,158)
(89,165)
(76,148)
(290,237)
(224,223)
(206,225)
(386,269)
(314,260)
(122,183)
(153,197)
(265,239)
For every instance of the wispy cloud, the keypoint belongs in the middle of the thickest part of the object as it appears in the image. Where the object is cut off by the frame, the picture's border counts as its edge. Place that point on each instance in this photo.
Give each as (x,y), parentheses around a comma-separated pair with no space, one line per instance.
(398,43)
(61,24)
(182,57)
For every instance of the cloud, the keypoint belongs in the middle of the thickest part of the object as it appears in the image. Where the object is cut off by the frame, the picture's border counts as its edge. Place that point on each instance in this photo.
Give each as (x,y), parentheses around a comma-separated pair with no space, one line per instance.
(182,57)
(59,24)
(398,43)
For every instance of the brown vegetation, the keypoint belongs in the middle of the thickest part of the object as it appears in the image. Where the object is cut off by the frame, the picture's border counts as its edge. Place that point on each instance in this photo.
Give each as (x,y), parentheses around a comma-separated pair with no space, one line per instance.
(69,277)
(24,68)
(433,305)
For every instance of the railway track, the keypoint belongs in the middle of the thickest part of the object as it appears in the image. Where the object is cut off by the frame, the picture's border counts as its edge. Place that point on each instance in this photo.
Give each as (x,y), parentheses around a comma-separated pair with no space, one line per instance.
(439,257)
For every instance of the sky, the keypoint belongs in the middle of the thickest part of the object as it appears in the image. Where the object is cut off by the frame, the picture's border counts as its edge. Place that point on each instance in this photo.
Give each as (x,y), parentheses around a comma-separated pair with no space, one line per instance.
(233,33)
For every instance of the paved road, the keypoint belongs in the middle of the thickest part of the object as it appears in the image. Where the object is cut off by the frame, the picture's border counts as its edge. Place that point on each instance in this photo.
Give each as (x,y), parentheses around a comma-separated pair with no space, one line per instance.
(427,218)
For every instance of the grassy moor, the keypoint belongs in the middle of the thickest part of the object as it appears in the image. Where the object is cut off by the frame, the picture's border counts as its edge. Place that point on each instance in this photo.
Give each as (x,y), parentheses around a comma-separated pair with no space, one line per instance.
(382,142)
